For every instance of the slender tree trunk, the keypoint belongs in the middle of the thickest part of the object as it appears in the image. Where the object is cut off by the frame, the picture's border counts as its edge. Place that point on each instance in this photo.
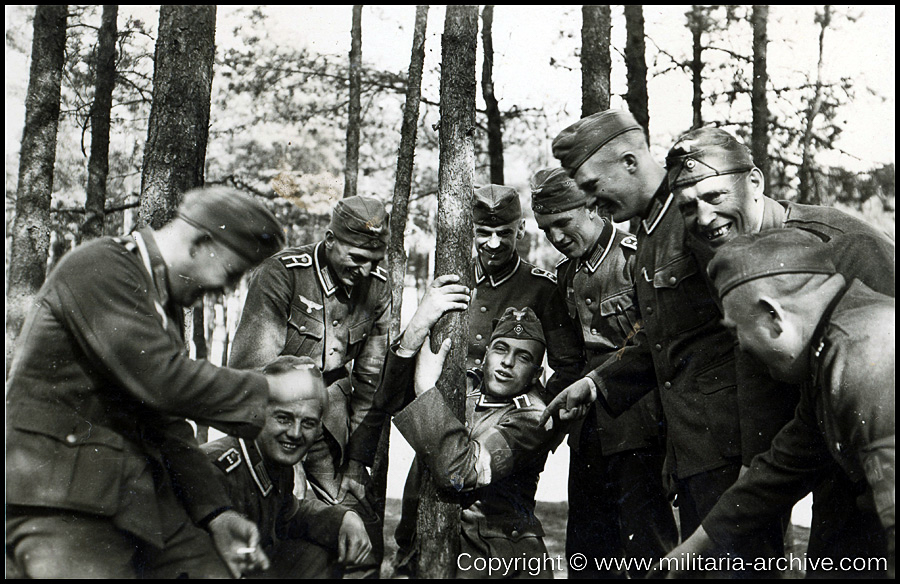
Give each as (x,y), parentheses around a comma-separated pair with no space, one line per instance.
(697,23)
(595,59)
(759,102)
(438,519)
(31,227)
(494,123)
(179,115)
(806,194)
(399,213)
(98,166)
(351,168)
(636,65)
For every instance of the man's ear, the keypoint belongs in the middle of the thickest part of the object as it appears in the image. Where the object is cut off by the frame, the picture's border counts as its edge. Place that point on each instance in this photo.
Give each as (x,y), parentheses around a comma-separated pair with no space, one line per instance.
(757,183)
(329,239)
(537,375)
(520,230)
(630,161)
(775,314)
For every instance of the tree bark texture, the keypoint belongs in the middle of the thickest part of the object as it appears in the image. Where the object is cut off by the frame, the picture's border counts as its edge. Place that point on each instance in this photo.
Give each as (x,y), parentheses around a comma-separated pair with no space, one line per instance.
(759,137)
(636,66)
(399,213)
(31,227)
(438,518)
(697,23)
(595,59)
(351,167)
(494,123)
(807,178)
(175,153)
(98,166)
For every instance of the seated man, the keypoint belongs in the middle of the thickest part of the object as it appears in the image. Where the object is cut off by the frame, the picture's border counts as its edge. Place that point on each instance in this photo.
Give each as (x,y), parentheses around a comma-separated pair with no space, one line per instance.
(493,460)
(303,539)
(790,308)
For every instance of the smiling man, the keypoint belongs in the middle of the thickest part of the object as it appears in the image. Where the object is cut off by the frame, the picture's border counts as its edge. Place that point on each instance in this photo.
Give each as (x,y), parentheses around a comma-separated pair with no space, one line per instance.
(305,538)
(330,301)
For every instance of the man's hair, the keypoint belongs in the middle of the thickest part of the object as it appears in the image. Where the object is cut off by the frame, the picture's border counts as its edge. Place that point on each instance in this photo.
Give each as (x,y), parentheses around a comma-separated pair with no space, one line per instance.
(288,363)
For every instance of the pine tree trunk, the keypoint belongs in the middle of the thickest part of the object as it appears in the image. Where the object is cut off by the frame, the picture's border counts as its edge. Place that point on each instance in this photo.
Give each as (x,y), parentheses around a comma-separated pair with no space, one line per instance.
(179,115)
(758,98)
(595,59)
(98,166)
(351,168)
(31,227)
(636,65)
(807,178)
(697,25)
(438,519)
(494,123)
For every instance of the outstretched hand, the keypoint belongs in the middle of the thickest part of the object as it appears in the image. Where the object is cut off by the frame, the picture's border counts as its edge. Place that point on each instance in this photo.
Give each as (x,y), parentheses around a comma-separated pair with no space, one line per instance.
(236,538)
(429,366)
(571,403)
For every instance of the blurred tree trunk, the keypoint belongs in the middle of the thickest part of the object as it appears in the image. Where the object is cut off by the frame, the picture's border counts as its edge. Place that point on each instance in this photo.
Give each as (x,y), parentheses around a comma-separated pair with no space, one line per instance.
(399,213)
(636,65)
(438,519)
(351,168)
(806,194)
(697,23)
(98,166)
(175,153)
(179,115)
(31,227)
(759,103)
(595,60)
(494,123)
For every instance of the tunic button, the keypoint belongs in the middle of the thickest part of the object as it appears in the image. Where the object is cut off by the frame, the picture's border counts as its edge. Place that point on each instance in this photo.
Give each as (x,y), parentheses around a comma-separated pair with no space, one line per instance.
(673,280)
(478,361)
(658,347)
(593,331)
(302,328)
(667,385)
(335,323)
(514,533)
(71,439)
(588,301)
(649,310)
(477,337)
(483,309)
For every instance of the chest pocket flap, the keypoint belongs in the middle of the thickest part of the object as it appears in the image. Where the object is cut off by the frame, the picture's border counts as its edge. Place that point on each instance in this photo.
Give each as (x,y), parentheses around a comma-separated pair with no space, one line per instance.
(672,274)
(360,331)
(305,324)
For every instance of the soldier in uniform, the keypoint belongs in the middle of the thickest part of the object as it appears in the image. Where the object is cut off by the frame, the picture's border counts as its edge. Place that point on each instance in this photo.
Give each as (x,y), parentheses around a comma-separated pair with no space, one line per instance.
(493,461)
(330,301)
(682,347)
(303,538)
(104,476)
(720,193)
(789,307)
(617,504)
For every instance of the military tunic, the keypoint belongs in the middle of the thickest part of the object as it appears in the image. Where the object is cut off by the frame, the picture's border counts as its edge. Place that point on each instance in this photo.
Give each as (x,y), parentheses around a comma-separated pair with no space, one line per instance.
(493,462)
(289,528)
(98,392)
(845,415)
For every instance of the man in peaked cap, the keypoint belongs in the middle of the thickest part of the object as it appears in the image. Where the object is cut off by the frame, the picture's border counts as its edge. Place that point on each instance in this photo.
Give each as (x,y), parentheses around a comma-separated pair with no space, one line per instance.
(720,193)
(617,504)
(330,301)
(682,347)
(104,478)
(789,307)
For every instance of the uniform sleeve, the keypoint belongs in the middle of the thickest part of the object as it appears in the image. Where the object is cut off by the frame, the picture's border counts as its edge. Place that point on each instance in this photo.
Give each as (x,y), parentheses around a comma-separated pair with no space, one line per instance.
(625,377)
(123,332)
(565,351)
(312,520)
(460,463)
(368,364)
(262,331)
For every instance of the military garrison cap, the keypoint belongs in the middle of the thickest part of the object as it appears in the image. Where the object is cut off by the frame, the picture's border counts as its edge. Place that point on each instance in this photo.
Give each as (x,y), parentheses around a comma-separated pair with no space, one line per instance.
(768,253)
(703,153)
(495,205)
(361,222)
(552,191)
(577,143)
(233,219)
(519,324)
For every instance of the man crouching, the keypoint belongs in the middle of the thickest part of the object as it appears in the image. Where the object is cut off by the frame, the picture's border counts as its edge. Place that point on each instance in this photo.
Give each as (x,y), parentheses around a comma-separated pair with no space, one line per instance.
(304,538)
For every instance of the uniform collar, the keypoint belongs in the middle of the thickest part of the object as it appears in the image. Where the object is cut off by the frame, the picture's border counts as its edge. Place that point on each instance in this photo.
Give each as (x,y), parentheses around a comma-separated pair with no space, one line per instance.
(153,261)
(660,203)
(819,341)
(502,276)
(486,402)
(773,214)
(257,467)
(327,278)
(601,248)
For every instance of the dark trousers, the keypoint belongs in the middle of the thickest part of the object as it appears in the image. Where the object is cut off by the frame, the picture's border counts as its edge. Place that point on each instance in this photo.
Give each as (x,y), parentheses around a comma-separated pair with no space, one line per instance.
(617,508)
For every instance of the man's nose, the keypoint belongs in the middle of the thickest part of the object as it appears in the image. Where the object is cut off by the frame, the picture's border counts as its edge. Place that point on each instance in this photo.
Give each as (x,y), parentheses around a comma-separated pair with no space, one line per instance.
(706,213)
(295,431)
(493,242)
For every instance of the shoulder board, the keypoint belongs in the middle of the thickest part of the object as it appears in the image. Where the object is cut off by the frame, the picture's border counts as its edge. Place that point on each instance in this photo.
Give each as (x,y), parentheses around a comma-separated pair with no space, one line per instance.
(297,260)
(379,273)
(522,401)
(229,460)
(630,242)
(561,262)
(126,242)
(543,274)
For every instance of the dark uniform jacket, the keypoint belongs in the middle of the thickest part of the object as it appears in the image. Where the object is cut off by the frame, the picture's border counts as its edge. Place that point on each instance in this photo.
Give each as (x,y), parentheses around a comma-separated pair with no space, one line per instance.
(296,306)
(599,293)
(264,495)
(845,415)
(99,389)
(519,285)
(691,355)
(493,461)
